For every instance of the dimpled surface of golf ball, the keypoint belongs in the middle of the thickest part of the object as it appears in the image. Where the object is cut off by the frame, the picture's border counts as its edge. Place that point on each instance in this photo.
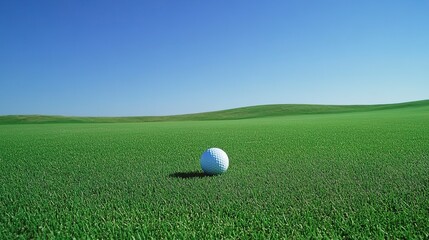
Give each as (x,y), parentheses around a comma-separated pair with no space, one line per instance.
(214,161)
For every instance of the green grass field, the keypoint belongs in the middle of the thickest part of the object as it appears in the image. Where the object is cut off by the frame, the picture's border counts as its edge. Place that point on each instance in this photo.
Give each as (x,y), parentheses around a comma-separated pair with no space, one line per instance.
(296,171)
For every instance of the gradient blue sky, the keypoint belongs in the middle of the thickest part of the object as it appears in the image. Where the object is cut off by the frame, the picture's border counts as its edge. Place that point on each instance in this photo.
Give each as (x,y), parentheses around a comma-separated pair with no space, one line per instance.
(117,58)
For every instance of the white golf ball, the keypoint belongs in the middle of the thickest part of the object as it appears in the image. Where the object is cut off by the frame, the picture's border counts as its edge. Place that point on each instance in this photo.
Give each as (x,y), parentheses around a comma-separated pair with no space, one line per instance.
(214,161)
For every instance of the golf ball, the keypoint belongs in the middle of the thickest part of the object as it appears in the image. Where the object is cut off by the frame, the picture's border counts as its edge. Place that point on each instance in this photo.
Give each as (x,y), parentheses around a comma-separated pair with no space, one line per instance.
(214,161)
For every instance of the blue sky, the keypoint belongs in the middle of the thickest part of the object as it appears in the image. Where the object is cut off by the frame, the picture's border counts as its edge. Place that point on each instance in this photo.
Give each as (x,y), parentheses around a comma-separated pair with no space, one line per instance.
(121,58)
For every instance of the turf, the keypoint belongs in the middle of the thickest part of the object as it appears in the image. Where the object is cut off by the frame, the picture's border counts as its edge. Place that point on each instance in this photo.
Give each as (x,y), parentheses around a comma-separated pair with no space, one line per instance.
(349,174)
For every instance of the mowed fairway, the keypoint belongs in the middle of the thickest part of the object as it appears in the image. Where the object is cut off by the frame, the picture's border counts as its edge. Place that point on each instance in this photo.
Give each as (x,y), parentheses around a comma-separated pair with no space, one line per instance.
(337,175)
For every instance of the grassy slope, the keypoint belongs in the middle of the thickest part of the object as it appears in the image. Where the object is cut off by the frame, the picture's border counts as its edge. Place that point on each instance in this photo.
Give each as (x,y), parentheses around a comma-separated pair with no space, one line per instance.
(350,175)
(238,113)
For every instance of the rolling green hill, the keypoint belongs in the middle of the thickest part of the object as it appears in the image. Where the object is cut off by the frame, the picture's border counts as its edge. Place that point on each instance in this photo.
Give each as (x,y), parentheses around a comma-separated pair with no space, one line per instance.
(230,114)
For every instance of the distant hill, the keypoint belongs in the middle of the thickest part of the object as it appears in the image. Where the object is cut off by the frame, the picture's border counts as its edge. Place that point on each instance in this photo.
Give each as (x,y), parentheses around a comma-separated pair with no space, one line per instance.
(230,114)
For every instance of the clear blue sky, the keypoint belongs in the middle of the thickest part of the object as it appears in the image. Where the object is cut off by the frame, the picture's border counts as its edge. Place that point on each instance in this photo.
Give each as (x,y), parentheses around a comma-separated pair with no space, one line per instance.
(117,58)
